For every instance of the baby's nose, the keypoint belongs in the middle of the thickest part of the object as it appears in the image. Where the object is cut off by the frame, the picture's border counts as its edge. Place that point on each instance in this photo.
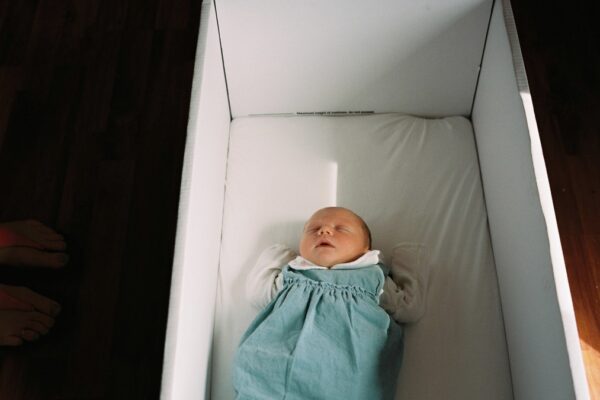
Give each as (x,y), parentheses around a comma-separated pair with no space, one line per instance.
(324,230)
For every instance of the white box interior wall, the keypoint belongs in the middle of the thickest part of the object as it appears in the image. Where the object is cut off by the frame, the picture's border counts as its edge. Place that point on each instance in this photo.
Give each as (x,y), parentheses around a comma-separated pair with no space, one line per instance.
(536,301)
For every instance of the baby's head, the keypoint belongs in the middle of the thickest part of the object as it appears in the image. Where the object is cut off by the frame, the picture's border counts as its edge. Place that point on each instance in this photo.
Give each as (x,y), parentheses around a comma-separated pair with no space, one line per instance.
(334,235)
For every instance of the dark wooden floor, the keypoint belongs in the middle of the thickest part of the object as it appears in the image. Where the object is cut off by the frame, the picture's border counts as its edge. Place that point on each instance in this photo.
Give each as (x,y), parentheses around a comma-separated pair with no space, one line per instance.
(93,108)
(94,102)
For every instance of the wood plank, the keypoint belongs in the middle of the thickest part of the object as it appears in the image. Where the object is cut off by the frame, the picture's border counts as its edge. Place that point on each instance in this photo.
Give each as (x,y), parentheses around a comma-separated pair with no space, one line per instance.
(98,286)
(95,99)
(10,82)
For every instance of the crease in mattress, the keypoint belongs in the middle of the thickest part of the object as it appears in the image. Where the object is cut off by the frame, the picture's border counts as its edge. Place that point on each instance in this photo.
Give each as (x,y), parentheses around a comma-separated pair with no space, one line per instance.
(485,40)
(218,294)
(492,250)
(222,59)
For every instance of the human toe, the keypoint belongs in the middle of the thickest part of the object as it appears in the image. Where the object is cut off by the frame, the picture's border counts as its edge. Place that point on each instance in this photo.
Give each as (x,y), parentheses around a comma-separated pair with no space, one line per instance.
(30,335)
(39,234)
(40,321)
(30,257)
(11,340)
(35,300)
(11,301)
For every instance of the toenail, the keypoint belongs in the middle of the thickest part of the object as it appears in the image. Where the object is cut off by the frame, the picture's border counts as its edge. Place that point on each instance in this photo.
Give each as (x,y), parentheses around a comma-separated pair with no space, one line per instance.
(61,259)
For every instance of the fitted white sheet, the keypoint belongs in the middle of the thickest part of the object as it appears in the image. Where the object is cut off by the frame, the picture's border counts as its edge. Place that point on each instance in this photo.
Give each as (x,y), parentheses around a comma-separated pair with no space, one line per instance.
(411,179)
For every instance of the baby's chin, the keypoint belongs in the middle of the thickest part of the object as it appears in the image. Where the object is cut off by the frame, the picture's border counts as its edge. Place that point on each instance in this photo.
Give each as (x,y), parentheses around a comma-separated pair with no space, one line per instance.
(327,261)
(322,261)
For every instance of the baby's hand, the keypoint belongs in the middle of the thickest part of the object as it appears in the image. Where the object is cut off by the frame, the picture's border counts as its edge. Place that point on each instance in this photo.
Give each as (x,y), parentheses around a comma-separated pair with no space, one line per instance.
(405,289)
(264,281)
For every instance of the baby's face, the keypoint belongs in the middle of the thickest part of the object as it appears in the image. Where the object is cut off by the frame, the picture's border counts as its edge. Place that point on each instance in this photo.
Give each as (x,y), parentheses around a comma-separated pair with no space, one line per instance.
(333,236)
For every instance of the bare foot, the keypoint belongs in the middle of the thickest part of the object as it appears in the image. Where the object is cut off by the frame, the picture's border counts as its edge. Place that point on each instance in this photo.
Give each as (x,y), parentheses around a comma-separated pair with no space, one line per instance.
(24,315)
(17,326)
(31,243)
(25,299)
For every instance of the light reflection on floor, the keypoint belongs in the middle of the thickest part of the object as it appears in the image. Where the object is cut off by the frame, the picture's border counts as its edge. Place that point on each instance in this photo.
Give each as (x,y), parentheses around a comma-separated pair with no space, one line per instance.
(591,358)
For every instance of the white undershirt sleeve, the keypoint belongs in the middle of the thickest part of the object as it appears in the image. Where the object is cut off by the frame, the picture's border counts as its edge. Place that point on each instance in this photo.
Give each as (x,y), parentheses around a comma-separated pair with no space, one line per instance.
(265,279)
(404,290)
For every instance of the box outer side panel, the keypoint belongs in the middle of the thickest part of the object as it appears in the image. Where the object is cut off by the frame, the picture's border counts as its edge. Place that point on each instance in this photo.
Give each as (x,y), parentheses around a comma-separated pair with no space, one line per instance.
(543,344)
(415,57)
(191,309)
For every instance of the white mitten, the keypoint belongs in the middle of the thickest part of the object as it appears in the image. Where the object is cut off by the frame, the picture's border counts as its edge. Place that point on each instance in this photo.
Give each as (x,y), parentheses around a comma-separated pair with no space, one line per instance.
(265,279)
(404,291)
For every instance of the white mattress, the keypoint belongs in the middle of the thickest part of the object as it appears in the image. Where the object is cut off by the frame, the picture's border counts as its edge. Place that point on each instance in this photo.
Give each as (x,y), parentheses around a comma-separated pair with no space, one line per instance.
(411,179)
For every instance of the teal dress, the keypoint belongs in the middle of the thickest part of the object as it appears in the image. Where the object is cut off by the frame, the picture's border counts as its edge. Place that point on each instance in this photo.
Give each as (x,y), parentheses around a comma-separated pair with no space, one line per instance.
(324,336)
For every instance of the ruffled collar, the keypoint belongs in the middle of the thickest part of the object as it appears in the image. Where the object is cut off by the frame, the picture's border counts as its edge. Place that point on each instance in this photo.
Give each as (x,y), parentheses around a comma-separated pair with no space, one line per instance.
(371,257)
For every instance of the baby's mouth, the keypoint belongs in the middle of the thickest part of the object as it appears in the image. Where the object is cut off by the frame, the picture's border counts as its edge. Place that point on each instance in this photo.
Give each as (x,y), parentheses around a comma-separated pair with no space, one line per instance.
(324,243)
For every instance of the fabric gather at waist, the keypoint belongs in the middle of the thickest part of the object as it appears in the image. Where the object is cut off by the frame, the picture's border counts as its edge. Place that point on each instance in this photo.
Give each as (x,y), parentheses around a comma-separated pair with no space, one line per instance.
(333,287)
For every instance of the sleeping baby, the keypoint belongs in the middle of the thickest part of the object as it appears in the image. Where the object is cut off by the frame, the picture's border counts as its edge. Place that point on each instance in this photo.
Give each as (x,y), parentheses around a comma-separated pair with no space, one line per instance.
(331,326)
